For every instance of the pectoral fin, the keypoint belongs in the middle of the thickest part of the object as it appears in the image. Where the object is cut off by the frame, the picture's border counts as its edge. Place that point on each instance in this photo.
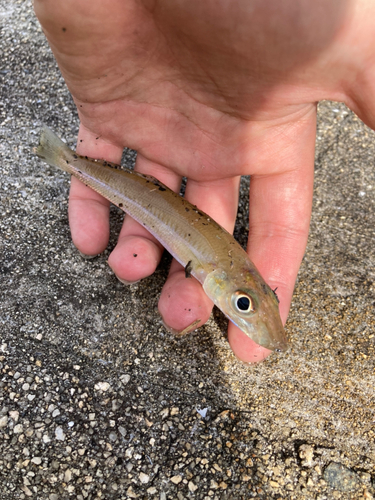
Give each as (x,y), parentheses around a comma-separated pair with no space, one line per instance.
(188,269)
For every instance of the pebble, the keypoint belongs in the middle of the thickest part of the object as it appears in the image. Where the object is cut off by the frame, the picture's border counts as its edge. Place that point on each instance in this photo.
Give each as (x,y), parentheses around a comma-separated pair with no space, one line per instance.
(131,493)
(192,487)
(14,415)
(176,479)
(113,436)
(340,477)
(59,433)
(202,412)
(125,379)
(3,421)
(102,386)
(144,478)
(306,452)
(164,413)
(27,491)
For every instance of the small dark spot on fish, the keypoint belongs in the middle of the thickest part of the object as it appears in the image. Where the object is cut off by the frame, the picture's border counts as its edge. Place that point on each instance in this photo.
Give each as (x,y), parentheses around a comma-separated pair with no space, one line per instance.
(67,161)
(161,188)
(188,234)
(187,209)
(81,140)
(86,157)
(120,205)
(199,212)
(75,156)
(97,138)
(80,106)
(265,288)
(231,264)
(135,254)
(63,29)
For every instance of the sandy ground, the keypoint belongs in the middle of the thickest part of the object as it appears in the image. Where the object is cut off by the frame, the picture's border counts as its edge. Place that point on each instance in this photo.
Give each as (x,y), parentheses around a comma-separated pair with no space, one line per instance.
(98,401)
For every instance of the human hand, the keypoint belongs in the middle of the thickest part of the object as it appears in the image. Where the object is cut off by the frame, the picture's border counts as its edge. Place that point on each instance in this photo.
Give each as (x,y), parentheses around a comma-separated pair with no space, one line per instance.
(210,91)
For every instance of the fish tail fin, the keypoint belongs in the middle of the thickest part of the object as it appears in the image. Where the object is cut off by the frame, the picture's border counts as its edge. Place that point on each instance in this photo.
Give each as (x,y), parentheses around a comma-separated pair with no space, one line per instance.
(53,150)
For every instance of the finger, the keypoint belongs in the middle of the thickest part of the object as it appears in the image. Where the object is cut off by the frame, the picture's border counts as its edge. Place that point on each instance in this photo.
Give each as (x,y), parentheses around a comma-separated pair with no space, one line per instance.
(183,300)
(137,252)
(280,210)
(88,211)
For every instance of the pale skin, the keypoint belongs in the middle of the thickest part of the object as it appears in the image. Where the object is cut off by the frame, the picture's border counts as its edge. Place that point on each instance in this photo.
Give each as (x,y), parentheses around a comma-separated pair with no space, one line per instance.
(210,90)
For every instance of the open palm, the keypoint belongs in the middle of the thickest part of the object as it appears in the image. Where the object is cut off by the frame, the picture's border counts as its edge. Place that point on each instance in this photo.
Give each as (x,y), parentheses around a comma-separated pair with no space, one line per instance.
(211,91)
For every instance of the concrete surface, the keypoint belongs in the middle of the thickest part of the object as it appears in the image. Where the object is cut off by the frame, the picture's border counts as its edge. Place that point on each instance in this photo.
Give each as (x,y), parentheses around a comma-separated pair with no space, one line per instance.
(98,401)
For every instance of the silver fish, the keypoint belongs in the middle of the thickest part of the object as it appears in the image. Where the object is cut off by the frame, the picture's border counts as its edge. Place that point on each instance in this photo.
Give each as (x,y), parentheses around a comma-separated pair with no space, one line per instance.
(206,250)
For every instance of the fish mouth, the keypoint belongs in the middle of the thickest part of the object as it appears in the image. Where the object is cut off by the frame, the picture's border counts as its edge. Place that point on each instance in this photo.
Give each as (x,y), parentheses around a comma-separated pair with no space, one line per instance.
(280,346)
(277,345)
(270,334)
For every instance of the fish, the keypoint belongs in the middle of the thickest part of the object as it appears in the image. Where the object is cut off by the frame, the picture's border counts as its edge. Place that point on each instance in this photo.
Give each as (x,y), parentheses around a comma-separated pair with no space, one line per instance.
(205,249)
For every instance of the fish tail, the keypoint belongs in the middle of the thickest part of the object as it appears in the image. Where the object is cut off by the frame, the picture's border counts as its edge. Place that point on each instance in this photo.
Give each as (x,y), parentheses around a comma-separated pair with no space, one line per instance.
(53,150)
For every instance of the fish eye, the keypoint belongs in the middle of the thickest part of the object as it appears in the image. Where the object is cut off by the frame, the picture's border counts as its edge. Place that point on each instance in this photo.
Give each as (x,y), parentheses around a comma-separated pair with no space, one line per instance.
(242,302)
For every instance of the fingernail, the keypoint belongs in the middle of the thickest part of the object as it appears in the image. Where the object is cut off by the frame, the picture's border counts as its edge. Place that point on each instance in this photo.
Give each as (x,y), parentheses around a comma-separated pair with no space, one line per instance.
(180,333)
(247,363)
(127,282)
(87,256)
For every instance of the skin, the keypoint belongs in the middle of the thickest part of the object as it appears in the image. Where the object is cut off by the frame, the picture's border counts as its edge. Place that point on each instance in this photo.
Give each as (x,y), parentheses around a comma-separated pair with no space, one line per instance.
(211,91)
